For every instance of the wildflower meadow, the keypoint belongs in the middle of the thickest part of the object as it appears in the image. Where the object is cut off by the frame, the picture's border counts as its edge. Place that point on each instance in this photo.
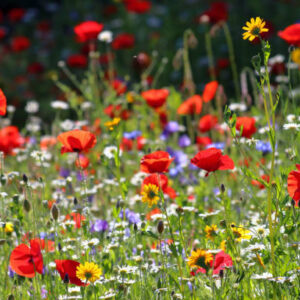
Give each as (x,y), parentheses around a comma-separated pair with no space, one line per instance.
(149,149)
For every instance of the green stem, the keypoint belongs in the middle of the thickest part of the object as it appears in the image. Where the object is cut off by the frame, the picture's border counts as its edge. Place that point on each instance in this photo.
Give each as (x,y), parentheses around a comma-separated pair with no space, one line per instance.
(232,60)
(210,56)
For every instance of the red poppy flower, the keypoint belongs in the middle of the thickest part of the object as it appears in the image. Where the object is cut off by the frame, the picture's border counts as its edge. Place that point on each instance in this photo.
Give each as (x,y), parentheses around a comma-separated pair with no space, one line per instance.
(2,33)
(220,261)
(2,103)
(160,181)
(259,184)
(77,218)
(35,68)
(203,141)
(217,12)
(26,261)
(212,160)
(77,141)
(248,124)
(191,106)
(156,98)
(123,41)
(77,61)
(83,162)
(20,43)
(47,141)
(156,162)
(119,86)
(137,6)
(88,30)
(16,14)
(10,139)
(46,245)
(207,122)
(293,182)
(291,34)
(68,267)
(210,90)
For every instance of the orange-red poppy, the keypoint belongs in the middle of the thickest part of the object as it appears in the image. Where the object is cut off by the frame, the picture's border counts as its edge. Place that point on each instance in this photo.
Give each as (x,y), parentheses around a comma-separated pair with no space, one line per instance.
(191,106)
(156,162)
(2,103)
(207,122)
(293,182)
(77,141)
(248,125)
(77,218)
(210,90)
(291,34)
(212,160)
(88,30)
(26,261)
(156,98)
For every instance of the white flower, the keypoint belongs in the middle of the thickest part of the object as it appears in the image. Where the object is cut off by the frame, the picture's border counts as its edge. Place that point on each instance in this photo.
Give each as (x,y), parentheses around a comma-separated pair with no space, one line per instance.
(213,213)
(11,108)
(86,105)
(41,155)
(67,125)
(32,107)
(276,59)
(32,127)
(291,118)
(110,151)
(291,126)
(58,104)
(265,275)
(105,36)
(238,107)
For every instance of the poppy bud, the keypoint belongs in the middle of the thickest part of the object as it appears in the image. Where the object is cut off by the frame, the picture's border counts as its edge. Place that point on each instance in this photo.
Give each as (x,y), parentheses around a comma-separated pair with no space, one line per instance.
(222,188)
(160,227)
(15,198)
(221,273)
(135,227)
(75,201)
(66,278)
(141,61)
(179,210)
(54,212)
(223,223)
(26,205)
(293,202)
(25,178)
(59,247)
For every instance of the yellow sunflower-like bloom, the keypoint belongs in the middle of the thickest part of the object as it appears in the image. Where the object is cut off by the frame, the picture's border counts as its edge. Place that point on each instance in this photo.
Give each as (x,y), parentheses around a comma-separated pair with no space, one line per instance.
(200,259)
(88,271)
(112,124)
(211,231)
(150,194)
(9,227)
(254,28)
(240,233)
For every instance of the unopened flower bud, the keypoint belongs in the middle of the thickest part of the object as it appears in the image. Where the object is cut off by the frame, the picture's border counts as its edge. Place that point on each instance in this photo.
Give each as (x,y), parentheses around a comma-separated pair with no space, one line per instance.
(25,178)
(26,205)
(66,278)
(222,188)
(160,227)
(54,212)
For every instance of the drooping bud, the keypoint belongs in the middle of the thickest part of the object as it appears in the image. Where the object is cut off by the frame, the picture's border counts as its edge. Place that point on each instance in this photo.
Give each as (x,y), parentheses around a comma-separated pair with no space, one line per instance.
(222,188)
(54,212)
(160,227)
(26,205)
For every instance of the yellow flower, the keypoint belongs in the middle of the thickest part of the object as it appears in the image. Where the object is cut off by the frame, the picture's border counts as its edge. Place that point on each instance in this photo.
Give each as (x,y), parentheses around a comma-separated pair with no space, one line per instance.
(9,227)
(200,259)
(254,28)
(211,231)
(240,233)
(295,55)
(223,245)
(88,272)
(150,194)
(112,124)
